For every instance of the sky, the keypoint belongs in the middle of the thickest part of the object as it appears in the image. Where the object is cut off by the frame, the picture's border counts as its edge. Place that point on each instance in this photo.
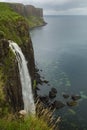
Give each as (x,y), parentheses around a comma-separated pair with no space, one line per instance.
(57,7)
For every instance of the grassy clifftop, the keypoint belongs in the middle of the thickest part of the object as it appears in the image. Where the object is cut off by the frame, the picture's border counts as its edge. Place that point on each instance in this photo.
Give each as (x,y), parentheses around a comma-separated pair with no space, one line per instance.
(11,23)
(35,21)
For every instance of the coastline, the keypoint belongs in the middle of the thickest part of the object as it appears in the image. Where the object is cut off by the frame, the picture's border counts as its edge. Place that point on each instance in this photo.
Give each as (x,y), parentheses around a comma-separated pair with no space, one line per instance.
(44,24)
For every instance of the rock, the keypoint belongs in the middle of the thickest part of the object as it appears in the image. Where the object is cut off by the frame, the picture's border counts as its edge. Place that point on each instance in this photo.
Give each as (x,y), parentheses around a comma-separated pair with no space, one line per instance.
(38,79)
(76,97)
(72,103)
(36,69)
(58,104)
(29,9)
(52,94)
(37,88)
(54,90)
(23,112)
(45,81)
(65,95)
(44,99)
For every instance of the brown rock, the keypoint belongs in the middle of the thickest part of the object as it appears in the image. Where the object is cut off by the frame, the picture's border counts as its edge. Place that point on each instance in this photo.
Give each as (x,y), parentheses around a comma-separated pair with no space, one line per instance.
(76,97)
(72,103)
(58,104)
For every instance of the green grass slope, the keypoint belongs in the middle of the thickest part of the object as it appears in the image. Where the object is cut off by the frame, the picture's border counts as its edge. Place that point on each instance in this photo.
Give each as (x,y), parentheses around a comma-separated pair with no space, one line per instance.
(30,123)
(10,23)
(35,21)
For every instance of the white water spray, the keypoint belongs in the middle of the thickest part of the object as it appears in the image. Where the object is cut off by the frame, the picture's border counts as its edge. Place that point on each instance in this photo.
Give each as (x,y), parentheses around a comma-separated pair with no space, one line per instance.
(25,78)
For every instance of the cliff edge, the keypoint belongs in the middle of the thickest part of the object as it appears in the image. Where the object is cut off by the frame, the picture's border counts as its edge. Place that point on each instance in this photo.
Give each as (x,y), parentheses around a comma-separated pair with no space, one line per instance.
(32,14)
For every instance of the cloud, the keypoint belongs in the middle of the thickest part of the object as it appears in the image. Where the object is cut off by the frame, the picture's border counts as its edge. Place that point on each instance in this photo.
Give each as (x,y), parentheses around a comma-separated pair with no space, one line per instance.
(57,6)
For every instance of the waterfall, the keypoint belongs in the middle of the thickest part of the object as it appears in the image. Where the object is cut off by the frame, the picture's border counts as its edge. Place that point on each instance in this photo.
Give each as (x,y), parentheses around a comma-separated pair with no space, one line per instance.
(25,78)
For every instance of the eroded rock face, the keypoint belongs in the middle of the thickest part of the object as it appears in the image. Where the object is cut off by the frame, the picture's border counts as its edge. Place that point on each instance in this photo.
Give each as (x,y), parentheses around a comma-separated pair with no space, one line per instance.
(10,71)
(4,48)
(27,10)
(9,66)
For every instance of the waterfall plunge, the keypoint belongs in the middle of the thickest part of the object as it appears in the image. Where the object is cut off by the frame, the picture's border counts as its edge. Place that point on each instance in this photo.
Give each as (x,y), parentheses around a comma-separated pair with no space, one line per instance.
(25,78)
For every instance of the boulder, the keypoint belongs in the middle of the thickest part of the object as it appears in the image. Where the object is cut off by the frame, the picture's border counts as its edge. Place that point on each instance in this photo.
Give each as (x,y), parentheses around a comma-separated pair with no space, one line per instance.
(65,95)
(54,90)
(45,81)
(22,113)
(52,93)
(72,103)
(75,97)
(58,104)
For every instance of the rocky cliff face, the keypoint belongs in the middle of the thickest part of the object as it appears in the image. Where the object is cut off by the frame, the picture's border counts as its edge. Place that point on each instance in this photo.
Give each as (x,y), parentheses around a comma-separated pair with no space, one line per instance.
(27,10)
(15,28)
(32,11)
(10,75)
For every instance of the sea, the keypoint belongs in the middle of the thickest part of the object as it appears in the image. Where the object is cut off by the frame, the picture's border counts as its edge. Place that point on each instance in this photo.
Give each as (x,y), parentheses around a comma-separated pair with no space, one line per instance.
(60,50)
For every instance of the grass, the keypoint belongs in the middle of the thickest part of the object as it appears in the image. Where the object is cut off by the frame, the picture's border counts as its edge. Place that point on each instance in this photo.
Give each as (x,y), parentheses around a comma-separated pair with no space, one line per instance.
(43,120)
(35,21)
(29,123)
(47,115)
(10,24)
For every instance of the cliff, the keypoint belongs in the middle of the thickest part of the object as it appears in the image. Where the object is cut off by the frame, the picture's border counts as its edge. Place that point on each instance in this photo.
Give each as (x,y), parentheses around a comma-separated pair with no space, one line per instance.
(27,10)
(32,14)
(16,28)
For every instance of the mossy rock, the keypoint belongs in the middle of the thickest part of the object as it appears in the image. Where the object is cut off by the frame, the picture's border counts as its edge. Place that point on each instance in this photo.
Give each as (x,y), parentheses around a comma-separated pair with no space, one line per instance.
(72,103)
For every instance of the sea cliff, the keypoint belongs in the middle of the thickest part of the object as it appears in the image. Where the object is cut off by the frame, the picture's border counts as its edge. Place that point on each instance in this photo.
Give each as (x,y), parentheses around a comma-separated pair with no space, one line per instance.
(14,27)
(33,15)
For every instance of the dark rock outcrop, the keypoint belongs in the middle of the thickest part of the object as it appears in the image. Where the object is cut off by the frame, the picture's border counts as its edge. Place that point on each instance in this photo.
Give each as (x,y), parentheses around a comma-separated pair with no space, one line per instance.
(44,99)
(76,97)
(12,87)
(57,104)
(52,93)
(54,90)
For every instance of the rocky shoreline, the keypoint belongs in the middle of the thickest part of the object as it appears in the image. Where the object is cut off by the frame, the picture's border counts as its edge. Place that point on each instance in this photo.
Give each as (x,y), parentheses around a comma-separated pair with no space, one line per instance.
(49,100)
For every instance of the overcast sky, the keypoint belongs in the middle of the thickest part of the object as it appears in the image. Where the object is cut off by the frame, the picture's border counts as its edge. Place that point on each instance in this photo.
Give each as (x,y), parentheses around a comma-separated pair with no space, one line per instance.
(57,7)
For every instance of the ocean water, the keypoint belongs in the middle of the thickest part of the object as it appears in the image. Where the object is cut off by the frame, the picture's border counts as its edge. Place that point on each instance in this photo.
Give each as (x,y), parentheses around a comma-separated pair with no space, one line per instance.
(60,50)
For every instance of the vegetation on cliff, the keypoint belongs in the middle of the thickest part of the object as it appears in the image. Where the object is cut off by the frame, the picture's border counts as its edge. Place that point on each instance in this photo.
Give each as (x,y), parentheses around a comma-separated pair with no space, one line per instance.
(33,15)
(11,24)
(35,21)
(30,123)
(14,27)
